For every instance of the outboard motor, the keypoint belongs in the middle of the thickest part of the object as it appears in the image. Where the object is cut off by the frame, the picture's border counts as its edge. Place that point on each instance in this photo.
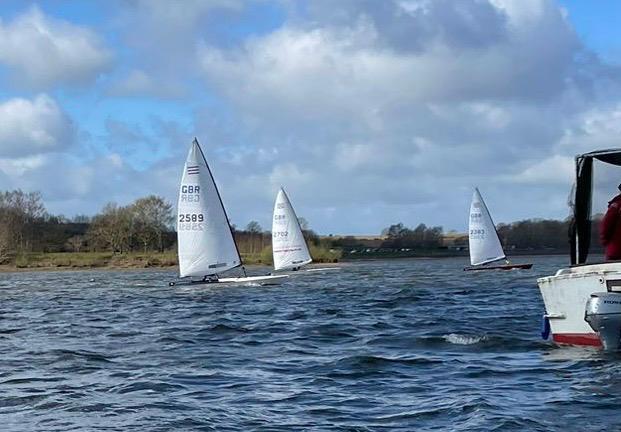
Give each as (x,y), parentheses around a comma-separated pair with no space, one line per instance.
(603,313)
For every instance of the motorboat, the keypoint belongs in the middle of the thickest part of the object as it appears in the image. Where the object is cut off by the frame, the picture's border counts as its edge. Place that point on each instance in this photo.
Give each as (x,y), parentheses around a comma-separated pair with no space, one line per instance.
(583,301)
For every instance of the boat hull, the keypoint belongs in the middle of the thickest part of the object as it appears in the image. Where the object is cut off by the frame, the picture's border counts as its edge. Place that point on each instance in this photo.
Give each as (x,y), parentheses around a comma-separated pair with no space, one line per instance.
(249,280)
(500,267)
(313,270)
(565,296)
(303,271)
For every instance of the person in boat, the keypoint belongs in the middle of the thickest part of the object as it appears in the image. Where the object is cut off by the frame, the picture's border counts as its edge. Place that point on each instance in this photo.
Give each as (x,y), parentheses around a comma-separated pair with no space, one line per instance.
(610,229)
(210,278)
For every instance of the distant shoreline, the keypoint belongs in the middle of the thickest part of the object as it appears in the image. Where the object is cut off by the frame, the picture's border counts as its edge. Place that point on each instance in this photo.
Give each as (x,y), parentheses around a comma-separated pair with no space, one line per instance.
(88,261)
(442,253)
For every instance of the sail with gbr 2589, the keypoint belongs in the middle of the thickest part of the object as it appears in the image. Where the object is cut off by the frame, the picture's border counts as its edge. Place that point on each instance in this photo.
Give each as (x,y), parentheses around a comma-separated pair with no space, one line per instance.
(205,241)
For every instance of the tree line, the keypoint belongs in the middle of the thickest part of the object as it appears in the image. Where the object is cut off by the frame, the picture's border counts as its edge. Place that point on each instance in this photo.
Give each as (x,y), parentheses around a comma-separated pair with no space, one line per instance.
(399,236)
(544,234)
(145,225)
(530,234)
(26,226)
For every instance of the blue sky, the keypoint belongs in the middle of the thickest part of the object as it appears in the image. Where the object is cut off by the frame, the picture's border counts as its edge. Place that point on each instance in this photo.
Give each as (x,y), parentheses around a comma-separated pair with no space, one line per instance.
(597,23)
(368,113)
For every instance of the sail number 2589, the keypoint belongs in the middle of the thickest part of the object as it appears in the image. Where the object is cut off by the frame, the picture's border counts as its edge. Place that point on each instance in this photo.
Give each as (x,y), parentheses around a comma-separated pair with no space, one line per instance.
(191,222)
(191,217)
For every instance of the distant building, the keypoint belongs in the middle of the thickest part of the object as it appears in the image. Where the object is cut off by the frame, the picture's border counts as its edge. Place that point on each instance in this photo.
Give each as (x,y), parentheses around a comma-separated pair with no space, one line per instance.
(454,240)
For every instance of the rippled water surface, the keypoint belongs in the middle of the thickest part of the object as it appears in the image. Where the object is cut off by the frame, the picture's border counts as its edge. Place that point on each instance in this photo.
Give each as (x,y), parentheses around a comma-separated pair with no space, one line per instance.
(385,345)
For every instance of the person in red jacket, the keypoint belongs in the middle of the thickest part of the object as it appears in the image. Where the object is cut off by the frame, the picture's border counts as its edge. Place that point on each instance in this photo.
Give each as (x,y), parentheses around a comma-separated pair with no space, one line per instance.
(610,229)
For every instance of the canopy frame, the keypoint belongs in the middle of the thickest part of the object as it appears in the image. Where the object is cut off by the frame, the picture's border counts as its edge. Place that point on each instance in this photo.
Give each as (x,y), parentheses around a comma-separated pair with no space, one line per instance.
(580,227)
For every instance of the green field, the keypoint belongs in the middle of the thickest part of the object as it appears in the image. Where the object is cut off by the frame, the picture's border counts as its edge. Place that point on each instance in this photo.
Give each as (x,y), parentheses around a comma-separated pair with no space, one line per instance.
(88,260)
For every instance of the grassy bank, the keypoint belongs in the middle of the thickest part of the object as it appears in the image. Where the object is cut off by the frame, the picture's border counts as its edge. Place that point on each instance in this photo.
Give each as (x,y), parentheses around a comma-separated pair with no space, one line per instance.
(320,255)
(89,260)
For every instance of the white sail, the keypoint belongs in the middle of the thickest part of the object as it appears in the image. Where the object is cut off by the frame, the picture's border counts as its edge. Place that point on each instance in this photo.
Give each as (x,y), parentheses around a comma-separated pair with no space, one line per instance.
(288,245)
(205,241)
(483,239)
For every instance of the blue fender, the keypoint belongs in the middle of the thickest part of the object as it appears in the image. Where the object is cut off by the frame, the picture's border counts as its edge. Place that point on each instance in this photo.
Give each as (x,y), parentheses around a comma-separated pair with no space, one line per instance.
(545,327)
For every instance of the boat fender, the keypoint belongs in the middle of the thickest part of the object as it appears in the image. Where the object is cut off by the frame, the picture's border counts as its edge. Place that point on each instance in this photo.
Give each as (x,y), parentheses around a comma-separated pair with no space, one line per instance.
(545,327)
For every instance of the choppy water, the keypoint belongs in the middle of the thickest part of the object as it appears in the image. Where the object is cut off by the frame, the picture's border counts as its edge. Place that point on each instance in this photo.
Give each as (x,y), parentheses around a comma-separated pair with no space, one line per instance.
(396,345)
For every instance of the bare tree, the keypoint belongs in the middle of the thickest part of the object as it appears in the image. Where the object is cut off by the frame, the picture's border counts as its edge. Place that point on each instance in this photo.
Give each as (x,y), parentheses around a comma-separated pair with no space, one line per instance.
(255,230)
(76,242)
(153,216)
(254,227)
(19,211)
(5,243)
(113,228)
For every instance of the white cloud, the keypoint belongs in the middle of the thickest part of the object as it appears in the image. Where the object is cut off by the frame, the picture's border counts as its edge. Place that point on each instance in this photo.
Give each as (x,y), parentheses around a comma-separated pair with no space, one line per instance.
(43,51)
(386,110)
(395,103)
(326,69)
(139,83)
(30,127)
(556,169)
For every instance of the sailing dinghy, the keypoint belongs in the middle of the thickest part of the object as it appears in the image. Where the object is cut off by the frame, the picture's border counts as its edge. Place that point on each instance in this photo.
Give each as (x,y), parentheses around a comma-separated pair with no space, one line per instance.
(206,245)
(483,240)
(289,248)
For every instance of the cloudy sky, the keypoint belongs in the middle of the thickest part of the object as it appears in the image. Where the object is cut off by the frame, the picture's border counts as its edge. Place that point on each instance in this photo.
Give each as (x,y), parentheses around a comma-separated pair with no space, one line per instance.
(367,112)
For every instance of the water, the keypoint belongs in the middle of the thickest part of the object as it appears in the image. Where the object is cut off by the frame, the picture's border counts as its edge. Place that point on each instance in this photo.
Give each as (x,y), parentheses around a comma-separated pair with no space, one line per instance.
(393,345)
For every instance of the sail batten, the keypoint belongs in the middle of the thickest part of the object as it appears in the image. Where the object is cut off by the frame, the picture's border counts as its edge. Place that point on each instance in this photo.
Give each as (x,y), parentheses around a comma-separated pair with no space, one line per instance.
(289,249)
(205,241)
(483,240)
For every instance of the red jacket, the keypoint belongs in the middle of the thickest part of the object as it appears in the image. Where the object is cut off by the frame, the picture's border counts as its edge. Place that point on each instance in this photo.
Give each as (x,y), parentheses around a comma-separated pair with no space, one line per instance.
(610,229)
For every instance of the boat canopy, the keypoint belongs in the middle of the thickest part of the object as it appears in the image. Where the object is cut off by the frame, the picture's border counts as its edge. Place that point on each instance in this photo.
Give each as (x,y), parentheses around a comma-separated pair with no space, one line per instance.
(580,228)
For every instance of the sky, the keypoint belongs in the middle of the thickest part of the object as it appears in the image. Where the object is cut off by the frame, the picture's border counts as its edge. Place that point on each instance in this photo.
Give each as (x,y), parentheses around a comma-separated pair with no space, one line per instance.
(368,113)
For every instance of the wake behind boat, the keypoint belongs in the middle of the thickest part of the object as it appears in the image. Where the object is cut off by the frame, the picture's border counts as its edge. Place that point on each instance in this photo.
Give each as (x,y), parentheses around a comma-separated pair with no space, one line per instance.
(483,240)
(206,245)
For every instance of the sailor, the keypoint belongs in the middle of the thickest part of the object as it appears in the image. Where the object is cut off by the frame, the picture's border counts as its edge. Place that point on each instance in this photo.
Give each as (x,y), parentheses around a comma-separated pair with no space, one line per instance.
(610,229)
(210,278)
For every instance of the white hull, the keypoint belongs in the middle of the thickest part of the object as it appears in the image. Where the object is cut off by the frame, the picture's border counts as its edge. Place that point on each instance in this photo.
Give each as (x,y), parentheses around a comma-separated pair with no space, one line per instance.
(309,270)
(565,296)
(262,280)
(249,280)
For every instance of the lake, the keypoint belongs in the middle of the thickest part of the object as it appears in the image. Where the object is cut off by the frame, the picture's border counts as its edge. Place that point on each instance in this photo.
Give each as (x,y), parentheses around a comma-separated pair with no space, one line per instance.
(380,345)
